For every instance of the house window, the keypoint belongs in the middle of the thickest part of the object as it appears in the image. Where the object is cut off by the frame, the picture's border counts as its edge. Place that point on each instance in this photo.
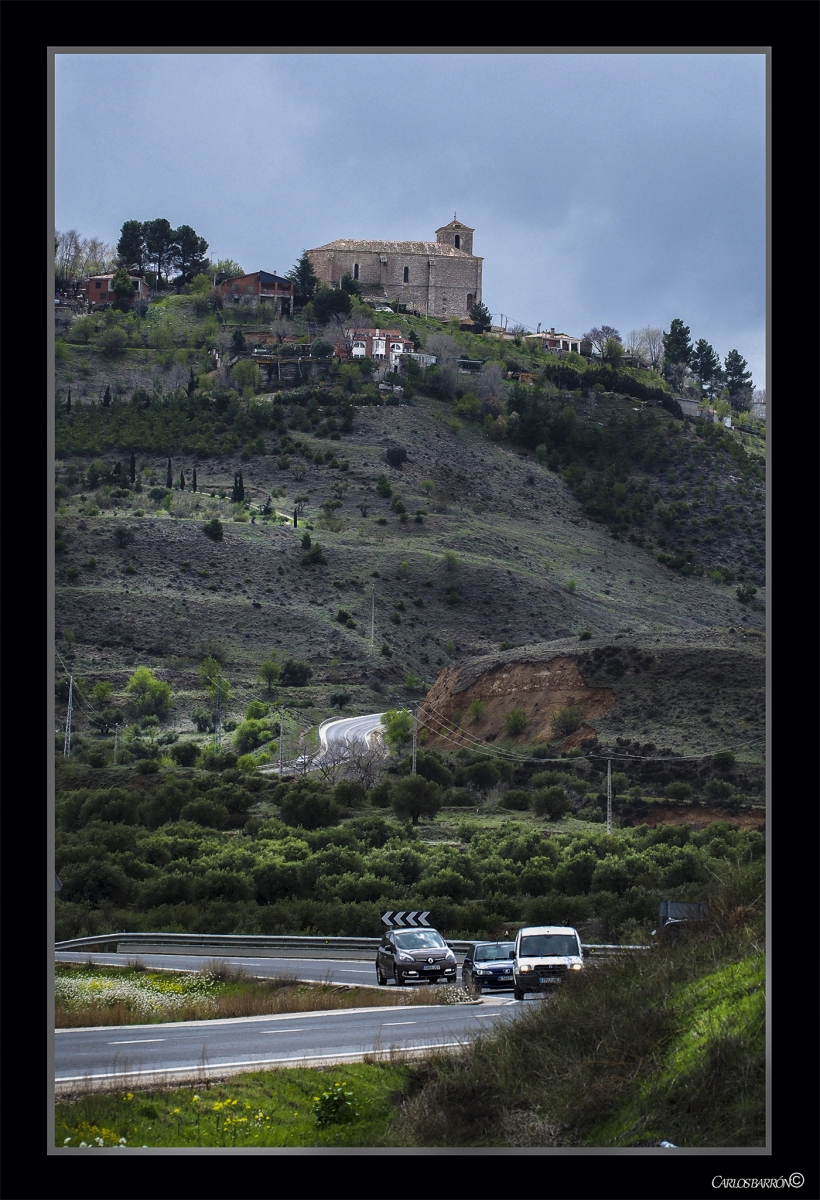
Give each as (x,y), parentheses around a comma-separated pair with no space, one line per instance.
(98,284)
(469,301)
(458,241)
(406,274)
(355,270)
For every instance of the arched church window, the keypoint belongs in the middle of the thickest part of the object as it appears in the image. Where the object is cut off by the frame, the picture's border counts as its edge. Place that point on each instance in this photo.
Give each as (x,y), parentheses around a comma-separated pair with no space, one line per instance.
(458,241)
(406,274)
(355,270)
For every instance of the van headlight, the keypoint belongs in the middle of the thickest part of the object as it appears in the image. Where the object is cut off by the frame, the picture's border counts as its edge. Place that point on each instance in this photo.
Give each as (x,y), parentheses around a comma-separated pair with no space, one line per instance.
(576,966)
(524,968)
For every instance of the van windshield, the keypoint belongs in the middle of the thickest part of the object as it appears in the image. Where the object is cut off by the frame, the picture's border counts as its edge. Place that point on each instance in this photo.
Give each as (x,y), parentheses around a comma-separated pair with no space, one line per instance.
(495,951)
(548,945)
(419,939)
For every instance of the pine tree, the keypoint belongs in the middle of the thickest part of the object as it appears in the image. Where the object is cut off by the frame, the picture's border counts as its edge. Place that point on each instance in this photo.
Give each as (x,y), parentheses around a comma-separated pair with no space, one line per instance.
(677,352)
(133,467)
(706,366)
(193,481)
(304,279)
(169,478)
(738,381)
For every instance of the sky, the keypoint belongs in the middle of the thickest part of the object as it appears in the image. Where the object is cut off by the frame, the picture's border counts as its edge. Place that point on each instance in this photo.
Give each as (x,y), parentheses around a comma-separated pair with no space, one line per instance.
(618,189)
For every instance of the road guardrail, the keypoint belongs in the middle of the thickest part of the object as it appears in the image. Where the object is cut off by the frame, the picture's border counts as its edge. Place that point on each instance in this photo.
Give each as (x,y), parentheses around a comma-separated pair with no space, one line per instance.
(242,945)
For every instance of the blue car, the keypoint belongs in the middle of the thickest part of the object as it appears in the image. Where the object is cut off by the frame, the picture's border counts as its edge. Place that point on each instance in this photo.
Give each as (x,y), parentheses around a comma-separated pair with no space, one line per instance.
(490,965)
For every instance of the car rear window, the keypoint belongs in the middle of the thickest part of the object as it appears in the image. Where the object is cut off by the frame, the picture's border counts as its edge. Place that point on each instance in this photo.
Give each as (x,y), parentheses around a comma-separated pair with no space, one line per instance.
(548,945)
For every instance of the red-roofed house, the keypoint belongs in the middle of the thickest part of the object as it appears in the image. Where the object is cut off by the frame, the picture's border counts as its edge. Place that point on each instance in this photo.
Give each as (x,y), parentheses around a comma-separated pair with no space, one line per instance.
(263,285)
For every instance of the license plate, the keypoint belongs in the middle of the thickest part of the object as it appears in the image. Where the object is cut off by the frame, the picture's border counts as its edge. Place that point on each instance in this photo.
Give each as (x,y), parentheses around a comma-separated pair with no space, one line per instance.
(548,979)
(431,968)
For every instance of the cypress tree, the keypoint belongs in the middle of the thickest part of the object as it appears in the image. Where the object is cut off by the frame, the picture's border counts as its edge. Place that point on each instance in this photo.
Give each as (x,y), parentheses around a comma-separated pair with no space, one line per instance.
(191,383)
(241,487)
(68,403)
(193,481)
(182,481)
(169,478)
(107,397)
(133,467)
(235,489)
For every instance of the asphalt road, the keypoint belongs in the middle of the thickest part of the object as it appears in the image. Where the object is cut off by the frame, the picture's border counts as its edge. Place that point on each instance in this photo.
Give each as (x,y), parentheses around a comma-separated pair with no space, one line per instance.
(188,1049)
(313,970)
(350,729)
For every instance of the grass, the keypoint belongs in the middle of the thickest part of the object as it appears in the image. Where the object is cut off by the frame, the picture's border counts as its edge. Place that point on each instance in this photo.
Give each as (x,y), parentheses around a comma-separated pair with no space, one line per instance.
(263,1108)
(88,995)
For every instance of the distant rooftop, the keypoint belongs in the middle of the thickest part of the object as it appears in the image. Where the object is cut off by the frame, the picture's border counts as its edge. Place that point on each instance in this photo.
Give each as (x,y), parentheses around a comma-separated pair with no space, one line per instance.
(388,247)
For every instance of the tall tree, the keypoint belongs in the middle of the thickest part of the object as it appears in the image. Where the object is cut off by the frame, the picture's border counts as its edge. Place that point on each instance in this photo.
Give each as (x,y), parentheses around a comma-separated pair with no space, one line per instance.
(182,481)
(677,352)
(107,397)
(304,279)
(706,366)
(68,403)
(160,242)
(131,248)
(67,257)
(169,478)
(224,269)
(738,381)
(599,336)
(189,253)
(133,467)
(652,342)
(193,481)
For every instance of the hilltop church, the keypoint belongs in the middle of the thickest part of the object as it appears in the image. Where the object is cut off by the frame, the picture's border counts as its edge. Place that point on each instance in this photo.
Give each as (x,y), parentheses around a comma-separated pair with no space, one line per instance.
(439,279)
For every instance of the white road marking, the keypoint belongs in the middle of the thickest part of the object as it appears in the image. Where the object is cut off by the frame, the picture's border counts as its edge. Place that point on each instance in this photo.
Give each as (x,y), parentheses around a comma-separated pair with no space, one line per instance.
(136,1041)
(399,1022)
(300,1030)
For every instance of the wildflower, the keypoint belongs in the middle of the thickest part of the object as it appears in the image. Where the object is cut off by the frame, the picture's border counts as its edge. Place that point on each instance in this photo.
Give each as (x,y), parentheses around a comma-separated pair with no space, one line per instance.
(67,1140)
(123,1141)
(84,1144)
(130,1096)
(99,1141)
(195,1098)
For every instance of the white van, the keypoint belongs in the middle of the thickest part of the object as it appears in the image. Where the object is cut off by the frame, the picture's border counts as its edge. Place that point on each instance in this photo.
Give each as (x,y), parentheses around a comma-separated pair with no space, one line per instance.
(543,955)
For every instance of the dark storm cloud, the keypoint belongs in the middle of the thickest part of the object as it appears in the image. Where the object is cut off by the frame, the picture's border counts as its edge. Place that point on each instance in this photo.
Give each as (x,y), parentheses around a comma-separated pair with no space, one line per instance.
(626,189)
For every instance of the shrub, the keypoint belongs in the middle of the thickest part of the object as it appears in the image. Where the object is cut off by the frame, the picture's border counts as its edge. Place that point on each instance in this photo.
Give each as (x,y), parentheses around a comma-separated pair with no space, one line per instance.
(516,799)
(475,711)
(678,791)
(339,699)
(205,812)
(147,766)
(295,674)
(450,560)
(584,635)
(149,695)
(256,710)
(383,487)
(308,807)
(213,529)
(250,735)
(395,456)
(551,802)
(567,719)
(459,798)
(203,720)
(313,555)
(123,537)
(515,722)
(719,789)
(723,761)
(185,754)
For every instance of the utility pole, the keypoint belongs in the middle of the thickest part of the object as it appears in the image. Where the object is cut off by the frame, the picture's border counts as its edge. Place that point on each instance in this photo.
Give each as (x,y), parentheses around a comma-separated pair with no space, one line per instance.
(67,743)
(415,730)
(373,618)
(609,795)
(281,737)
(117,729)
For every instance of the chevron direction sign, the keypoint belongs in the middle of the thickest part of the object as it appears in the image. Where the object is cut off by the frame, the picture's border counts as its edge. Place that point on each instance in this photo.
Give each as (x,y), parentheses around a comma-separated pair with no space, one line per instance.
(391,918)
